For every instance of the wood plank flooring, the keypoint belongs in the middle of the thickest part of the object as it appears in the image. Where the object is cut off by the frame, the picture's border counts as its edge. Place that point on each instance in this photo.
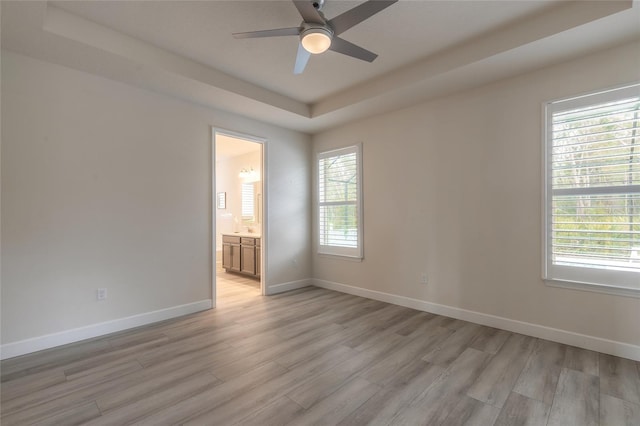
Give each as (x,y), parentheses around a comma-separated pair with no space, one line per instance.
(314,356)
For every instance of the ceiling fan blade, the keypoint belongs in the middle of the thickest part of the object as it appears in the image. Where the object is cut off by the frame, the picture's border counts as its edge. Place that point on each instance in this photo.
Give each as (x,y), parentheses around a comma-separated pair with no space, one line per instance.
(301,59)
(352,17)
(347,48)
(269,33)
(308,12)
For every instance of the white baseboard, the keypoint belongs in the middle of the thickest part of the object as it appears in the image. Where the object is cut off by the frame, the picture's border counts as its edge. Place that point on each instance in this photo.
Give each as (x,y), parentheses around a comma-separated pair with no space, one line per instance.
(584,341)
(22,347)
(291,285)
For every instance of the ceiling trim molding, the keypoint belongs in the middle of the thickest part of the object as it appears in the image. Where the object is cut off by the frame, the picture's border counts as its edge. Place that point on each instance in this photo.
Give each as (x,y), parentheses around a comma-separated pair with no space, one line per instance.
(545,24)
(73,27)
(570,30)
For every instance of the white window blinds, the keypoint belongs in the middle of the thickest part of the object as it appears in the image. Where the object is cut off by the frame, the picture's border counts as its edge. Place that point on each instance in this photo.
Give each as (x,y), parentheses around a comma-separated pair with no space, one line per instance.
(248,198)
(593,189)
(339,202)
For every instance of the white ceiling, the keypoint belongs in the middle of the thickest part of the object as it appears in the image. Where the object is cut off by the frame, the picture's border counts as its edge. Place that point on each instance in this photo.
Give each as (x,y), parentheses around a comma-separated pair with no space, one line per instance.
(426,48)
(201,31)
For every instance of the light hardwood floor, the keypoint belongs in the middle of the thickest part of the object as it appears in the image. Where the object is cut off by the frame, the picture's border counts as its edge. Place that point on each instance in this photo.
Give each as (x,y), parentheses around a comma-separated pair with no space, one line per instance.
(314,356)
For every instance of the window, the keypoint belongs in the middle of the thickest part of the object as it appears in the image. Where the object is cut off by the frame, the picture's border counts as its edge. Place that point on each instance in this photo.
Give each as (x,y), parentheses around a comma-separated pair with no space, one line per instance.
(592,202)
(247,201)
(340,202)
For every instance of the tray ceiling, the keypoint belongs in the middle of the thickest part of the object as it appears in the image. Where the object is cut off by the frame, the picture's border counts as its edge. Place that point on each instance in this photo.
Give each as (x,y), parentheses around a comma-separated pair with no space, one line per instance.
(425,48)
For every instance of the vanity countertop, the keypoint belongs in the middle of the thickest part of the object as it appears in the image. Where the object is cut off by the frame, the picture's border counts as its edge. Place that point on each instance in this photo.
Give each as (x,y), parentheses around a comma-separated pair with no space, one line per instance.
(244,234)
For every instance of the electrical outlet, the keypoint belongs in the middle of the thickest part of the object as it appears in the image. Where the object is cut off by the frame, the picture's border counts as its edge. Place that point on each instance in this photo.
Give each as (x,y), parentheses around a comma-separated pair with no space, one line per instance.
(101,294)
(423,278)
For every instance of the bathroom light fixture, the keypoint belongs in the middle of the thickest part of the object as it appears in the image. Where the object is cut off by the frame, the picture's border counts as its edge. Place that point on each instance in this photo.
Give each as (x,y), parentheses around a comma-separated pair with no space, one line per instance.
(248,174)
(316,39)
(245,173)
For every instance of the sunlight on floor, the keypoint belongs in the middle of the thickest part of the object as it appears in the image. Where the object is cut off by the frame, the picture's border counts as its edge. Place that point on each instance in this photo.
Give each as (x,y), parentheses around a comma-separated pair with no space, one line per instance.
(233,287)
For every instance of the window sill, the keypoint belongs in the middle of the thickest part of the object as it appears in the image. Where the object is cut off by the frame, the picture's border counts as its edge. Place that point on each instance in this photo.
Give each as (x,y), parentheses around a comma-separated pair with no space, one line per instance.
(342,257)
(595,288)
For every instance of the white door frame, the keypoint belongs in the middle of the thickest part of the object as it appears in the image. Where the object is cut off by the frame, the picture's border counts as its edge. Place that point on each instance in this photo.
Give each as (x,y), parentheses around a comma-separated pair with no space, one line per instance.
(263,213)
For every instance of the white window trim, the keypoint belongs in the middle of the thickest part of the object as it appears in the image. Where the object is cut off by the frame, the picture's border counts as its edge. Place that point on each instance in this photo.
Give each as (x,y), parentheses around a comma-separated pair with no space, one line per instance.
(620,283)
(346,253)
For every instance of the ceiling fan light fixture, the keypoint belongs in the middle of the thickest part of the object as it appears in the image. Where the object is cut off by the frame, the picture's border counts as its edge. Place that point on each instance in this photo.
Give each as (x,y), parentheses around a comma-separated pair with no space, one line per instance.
(316,40)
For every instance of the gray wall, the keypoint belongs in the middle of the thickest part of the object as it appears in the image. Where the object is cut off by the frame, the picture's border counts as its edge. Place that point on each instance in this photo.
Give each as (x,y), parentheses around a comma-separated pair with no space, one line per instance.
(107,185)
(453,188)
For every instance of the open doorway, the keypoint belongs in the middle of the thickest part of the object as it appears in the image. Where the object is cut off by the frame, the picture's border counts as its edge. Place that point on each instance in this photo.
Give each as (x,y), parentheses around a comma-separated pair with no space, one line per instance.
(238,216)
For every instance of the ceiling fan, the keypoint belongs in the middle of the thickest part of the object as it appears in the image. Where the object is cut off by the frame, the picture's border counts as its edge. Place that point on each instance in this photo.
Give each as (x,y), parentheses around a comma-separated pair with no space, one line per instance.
(319,34)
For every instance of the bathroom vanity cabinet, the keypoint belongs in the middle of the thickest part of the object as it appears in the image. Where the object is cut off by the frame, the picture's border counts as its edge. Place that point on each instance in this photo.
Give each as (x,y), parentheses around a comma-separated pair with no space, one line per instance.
(241,253)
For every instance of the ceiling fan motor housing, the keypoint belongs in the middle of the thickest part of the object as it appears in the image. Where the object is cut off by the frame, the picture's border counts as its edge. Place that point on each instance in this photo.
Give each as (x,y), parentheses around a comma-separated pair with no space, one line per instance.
(318,4)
